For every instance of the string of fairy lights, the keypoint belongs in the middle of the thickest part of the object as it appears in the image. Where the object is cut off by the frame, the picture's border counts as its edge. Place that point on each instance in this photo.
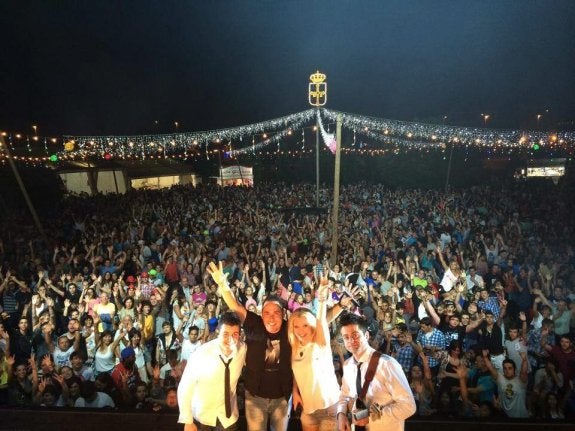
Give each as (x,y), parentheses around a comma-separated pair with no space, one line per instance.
(418,136)
(286,136)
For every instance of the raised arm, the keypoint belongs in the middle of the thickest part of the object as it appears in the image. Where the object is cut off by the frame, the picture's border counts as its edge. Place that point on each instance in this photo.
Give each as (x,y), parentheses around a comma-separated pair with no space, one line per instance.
(4,282)
(96,319)
(462,375)
(322,335)
(221,280)
(10,360)
(54,288)
(489,365)
(20,283)
(345,303)
(441,258)
(524,373)
(47,333)
(431,311)
(77,339)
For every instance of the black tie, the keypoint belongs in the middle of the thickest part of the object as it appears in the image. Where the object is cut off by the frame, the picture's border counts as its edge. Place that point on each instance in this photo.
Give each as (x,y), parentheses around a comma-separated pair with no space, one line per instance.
(359,405)
(358,380)
(227,387)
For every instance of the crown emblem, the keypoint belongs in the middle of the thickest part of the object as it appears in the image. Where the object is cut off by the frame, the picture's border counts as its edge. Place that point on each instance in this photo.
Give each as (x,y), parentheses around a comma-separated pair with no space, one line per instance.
(317,77)
(69,145)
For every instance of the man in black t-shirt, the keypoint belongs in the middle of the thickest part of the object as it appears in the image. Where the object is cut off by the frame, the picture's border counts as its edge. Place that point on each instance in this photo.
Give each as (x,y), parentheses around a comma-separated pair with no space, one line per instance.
(268,378)
(452,329)
(21,342)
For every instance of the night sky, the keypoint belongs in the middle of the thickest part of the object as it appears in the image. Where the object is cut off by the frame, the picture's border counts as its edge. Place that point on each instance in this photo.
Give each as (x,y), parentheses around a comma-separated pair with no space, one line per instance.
(117,67)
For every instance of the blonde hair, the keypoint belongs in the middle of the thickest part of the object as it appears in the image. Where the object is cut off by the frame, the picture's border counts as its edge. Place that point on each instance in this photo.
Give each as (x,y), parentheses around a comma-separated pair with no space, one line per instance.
(300,312)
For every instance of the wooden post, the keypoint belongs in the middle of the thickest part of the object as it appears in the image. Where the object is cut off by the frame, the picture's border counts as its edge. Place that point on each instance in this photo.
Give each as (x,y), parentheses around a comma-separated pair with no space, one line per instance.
(317,159)
(24,191)
(335,213)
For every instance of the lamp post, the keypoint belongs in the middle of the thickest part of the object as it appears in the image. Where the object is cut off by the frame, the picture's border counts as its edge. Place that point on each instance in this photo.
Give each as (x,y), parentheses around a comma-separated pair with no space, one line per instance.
(317,96)
(486,117)
(449,163)
(538,120)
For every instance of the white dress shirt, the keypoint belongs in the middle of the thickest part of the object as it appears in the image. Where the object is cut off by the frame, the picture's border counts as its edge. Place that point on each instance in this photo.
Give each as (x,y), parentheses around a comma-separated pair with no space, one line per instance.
(388,388)
(201,389)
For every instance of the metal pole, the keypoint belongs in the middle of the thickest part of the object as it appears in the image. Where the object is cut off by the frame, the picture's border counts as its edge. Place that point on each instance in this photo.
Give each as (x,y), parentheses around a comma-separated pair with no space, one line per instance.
(335,215)
(24,191)
(449,168)
(115,180)
(317,160)
(241,175)
(221,173)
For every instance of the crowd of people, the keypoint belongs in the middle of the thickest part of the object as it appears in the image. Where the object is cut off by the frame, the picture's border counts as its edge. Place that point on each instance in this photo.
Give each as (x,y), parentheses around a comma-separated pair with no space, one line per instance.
(470,293)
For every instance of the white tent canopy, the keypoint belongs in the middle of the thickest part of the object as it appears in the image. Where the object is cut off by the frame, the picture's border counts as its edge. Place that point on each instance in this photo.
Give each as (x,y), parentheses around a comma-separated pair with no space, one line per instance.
(95,181)
(83,178)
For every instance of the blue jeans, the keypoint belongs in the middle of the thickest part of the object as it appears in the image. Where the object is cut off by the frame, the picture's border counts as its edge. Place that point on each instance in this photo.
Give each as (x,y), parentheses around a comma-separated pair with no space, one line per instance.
(258,410)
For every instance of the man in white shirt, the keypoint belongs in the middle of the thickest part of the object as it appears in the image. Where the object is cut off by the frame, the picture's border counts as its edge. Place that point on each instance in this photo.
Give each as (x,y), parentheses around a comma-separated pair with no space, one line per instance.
(474,280)
(388,400)
(202,389)
(191,344)
(512,388)
(91,398)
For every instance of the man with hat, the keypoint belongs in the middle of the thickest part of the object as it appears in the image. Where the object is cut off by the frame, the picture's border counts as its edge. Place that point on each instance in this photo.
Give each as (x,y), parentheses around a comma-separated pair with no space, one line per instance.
(126,376)
(156,278)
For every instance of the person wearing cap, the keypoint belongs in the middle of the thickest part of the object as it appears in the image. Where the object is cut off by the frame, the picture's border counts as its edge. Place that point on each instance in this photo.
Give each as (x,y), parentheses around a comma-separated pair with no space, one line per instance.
(126,376)
(156,278)
(268,377)
(130,279)
(213,369)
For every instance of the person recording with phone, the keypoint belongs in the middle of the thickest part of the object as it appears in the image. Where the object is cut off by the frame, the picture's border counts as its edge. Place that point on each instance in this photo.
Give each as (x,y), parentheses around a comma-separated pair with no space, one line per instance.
(375,394)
